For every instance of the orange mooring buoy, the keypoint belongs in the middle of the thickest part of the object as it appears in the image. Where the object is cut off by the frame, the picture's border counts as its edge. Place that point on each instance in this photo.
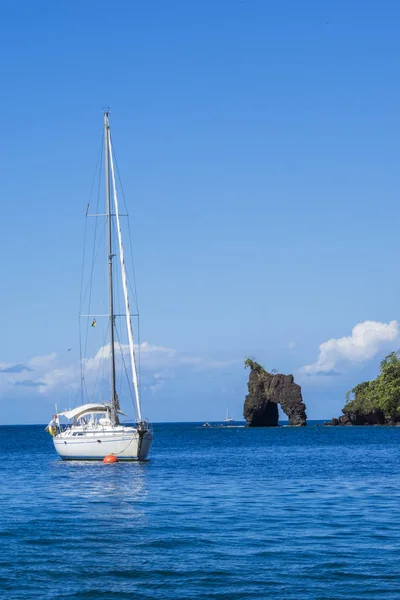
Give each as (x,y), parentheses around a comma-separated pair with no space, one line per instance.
(110,458)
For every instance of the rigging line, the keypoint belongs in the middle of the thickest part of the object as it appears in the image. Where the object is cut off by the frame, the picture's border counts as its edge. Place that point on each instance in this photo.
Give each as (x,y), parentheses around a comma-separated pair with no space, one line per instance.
(101,361)
(98,167)
(89,287)
(94,252)
(139,357)
(80,310)
(100,243)
(76,397)
(84,241)
(117,298)
(131,391)
(116,331)
(104,363)
(117,272)
(134,289)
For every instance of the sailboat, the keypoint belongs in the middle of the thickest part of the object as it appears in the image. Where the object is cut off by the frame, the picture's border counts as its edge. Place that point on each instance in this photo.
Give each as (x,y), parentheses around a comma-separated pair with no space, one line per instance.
(96,431)
(228,418)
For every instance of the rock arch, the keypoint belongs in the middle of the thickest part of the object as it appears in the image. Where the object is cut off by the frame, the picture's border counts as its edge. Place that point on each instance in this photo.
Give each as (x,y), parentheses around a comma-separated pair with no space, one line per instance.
(266,391)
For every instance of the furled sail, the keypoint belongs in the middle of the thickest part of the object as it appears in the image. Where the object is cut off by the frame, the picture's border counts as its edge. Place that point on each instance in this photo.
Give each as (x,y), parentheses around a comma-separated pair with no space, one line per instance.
(125,290)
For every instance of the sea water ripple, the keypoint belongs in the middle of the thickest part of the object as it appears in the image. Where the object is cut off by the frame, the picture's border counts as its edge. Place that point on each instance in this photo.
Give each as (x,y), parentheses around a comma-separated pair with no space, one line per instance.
(297,514)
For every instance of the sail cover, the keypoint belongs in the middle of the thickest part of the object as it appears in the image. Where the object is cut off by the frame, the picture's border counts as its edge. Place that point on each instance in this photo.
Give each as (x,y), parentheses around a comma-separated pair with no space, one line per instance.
(80,410)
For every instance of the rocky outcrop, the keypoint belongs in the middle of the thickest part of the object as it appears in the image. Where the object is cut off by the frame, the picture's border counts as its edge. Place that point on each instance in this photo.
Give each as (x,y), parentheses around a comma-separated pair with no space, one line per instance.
(343,420)
(266,391)
(371,417)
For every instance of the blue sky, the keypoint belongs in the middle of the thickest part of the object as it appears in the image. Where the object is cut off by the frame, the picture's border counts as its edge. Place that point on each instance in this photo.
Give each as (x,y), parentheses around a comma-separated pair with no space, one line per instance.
(258,145)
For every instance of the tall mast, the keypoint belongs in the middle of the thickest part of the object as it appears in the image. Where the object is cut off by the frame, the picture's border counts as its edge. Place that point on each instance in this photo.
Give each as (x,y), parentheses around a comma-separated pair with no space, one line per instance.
(114,398)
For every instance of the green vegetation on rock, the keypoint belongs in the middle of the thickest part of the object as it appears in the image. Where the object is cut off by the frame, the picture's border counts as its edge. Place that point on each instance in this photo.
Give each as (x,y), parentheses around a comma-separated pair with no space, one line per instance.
(379,395)
(251,364)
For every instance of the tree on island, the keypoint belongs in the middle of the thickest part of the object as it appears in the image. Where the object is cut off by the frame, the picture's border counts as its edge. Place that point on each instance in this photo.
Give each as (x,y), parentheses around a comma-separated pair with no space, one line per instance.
(380,394)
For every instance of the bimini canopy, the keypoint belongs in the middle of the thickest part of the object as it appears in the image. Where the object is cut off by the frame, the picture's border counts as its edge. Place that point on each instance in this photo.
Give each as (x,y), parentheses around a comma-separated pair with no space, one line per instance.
(84,408)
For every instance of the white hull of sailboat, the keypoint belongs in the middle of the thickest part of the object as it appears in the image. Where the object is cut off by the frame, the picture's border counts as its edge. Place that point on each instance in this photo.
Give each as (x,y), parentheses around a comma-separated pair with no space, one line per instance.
(123,442)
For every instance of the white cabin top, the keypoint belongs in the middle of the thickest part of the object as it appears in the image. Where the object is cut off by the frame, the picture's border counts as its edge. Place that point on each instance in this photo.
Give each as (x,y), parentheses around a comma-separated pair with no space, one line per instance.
(86,408)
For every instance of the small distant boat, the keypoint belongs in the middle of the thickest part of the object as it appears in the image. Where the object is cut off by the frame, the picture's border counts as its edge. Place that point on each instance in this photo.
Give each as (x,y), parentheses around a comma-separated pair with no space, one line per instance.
(228,418)
(206,425)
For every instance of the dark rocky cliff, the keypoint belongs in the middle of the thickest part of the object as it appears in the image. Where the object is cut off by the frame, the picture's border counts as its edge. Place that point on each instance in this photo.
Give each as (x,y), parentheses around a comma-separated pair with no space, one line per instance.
(266,391)
(360,418)
(365,417)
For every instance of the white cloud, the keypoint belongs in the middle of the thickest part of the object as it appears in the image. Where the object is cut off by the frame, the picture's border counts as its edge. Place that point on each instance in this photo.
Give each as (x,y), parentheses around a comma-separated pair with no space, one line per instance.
(149,354)
(39,362)
(153,349)
(365,341)
(68,377)
(49,374)
(155,381)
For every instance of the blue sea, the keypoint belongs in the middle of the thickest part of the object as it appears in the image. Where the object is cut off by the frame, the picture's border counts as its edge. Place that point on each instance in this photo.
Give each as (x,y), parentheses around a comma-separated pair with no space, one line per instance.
(289,513)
